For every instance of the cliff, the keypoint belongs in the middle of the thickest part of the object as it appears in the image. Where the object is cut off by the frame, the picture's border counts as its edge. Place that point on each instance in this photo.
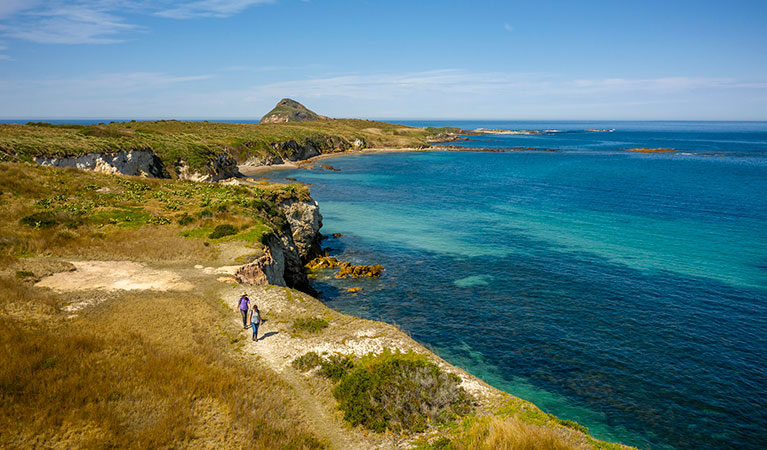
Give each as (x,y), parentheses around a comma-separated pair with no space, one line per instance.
(288,110)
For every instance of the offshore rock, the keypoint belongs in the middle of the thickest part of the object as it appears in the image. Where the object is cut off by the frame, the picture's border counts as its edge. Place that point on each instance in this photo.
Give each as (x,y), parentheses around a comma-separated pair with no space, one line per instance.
(350,270)
(323,262)
(131,162)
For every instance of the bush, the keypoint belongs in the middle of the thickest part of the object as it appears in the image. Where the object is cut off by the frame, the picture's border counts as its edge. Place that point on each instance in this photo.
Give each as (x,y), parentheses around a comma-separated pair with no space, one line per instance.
(399,391)
(222,230)
(311,325)
(40,220)
(336,366)
(185,219)
(307,362)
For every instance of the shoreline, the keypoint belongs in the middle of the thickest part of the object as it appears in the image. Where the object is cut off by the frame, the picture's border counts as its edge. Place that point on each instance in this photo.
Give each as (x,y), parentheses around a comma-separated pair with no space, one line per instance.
(250,169)
(487,395)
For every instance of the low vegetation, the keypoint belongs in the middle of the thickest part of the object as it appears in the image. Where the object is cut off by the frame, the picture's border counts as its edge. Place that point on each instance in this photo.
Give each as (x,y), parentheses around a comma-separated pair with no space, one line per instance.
(496,433)
(309,325)
(66,212)
(124,376)
(399,391)
(391,391)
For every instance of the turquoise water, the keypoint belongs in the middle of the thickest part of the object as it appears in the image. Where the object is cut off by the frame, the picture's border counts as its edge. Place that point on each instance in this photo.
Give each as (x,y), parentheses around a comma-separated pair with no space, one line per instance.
(624,291)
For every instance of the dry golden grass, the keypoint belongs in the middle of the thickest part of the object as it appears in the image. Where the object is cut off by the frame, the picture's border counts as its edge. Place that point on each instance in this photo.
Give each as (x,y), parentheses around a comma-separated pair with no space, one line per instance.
(141,371)
(510,434)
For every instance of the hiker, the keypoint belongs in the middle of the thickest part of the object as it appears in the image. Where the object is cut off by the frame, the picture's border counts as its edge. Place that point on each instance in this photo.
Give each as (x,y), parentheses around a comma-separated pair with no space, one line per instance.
(244,306)
(255,320)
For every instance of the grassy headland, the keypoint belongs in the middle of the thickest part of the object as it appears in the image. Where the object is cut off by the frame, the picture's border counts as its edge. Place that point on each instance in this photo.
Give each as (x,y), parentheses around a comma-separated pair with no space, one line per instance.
(94,367)
(199,143)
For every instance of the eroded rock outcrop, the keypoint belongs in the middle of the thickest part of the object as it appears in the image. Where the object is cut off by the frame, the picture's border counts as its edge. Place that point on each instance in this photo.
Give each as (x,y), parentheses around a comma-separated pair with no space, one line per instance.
(305,221)
(221,168)
(280,265)
(126,162)
(267,269)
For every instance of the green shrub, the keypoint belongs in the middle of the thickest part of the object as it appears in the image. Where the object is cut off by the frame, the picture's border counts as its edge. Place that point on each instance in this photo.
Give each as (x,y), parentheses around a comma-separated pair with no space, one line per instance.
(222,230)
(311,325)
(40,220)
(307,362)
(24,274)
(572,425)
(399,391)
(205,214)
(185,219)
(336,366)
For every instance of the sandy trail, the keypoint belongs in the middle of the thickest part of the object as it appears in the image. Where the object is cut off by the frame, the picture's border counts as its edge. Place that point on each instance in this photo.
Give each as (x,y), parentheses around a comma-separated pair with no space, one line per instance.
(115,275)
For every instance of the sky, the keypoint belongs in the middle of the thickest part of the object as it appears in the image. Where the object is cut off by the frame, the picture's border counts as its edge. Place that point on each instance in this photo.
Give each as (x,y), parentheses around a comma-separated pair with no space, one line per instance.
(504,60)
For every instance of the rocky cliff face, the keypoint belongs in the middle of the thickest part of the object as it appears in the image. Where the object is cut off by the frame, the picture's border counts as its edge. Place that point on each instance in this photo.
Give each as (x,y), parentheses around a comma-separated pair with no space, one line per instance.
(287,251)
(133,162)
(268,269)
(144,163)
(305,222)
(223,167)
(292,150)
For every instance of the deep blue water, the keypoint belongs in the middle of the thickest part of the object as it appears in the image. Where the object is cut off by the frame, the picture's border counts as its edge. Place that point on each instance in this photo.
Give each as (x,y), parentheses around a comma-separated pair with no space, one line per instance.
(625,291)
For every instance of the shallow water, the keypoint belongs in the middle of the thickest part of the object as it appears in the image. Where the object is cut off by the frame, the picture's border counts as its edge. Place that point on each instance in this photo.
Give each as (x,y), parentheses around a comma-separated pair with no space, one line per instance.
(624,291)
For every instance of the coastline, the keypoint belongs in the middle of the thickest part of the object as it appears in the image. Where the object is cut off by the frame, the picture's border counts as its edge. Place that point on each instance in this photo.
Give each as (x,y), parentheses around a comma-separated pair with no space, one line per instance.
(489,398)
(251,169)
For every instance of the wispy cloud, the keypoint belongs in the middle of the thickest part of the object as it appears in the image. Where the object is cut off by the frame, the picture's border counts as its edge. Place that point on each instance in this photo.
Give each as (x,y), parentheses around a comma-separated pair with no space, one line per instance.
(11,7)
(2,48)
(459,82)
(664,84)
(82,24)
(209,8)
(100,21)
(508,27)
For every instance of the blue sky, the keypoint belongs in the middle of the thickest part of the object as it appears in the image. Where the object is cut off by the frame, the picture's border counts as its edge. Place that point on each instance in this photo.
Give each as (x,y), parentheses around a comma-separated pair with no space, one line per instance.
(209,59)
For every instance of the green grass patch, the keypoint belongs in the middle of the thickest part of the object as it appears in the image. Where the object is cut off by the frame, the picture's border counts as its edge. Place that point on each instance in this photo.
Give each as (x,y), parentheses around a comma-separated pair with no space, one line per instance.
(197,233)
(124,217)
(254,234)
(309,325)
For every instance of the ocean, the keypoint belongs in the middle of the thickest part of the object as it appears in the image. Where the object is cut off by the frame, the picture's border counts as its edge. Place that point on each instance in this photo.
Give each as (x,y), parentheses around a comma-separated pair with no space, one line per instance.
(623,290)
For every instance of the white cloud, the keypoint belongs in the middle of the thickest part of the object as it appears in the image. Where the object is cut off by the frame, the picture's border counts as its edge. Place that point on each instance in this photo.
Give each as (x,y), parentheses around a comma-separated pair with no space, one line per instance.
(99,21)
(508,27)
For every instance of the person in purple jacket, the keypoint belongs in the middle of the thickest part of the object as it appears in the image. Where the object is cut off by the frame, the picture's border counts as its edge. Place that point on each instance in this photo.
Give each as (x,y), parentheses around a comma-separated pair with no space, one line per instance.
(244,305)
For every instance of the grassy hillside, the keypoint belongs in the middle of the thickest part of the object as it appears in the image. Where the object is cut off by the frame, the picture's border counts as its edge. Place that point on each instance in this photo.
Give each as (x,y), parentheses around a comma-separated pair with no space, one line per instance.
(145,369)
(199,142)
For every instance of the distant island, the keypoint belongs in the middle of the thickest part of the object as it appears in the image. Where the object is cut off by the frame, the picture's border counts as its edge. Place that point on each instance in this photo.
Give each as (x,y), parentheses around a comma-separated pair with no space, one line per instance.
(288,110)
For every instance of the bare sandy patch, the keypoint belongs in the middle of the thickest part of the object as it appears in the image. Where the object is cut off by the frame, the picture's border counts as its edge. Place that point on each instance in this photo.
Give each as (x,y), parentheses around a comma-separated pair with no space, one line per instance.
(113,276)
